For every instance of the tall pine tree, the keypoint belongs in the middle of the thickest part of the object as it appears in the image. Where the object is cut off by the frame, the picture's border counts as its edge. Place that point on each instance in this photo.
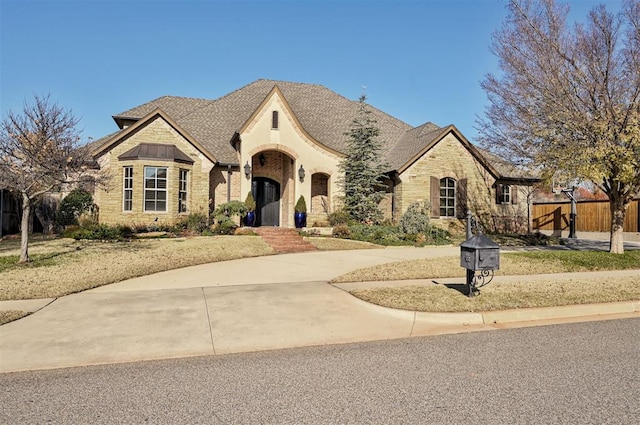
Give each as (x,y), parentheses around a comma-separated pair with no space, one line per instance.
(363,168)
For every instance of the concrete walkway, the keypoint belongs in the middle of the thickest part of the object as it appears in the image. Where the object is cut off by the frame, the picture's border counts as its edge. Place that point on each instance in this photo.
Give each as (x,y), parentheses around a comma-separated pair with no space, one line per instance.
(244,305)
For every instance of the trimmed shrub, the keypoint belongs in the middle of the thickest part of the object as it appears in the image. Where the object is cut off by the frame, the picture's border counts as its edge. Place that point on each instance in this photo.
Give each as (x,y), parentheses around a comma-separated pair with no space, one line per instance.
(301,205)
(250,202)
(223,217)
(100,232)
(416,219)
(341,231)
(194,222)
(225,227)
(339,217)
(381,235)
(72,206)
(391,235)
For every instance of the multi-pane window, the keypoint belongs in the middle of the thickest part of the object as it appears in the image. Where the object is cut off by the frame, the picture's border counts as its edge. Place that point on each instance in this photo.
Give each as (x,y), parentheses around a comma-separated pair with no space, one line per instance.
(127,195)
(155,189)
(182,191)
(505,194)
(447,197)
(274,120)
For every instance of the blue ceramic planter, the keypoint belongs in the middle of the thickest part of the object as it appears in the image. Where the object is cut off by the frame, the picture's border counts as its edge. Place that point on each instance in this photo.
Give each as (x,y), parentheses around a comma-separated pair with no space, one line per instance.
(250,219)
(300,219)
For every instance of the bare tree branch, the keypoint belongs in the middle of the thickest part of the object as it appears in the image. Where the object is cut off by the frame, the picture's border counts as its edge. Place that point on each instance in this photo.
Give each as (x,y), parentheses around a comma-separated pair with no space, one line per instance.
(39,151)
(567,99)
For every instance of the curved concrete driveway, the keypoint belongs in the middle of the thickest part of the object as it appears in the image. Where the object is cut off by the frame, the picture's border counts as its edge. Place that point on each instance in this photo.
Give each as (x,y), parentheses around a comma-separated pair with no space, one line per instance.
(241,305)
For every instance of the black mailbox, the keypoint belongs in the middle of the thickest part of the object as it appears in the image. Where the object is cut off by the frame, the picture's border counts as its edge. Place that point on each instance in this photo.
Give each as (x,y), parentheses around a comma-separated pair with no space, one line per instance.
(480,253)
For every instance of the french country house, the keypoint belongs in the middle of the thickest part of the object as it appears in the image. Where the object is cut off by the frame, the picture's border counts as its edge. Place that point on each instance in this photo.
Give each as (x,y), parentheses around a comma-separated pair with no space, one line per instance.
(174,156)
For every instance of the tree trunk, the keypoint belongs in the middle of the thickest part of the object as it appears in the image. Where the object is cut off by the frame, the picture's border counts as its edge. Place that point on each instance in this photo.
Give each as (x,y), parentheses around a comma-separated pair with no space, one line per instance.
(618,210)
(24,240)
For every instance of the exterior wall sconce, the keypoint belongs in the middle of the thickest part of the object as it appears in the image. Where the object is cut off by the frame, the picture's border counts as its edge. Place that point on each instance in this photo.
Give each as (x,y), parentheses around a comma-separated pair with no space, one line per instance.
(247,170)
(301,173)
(262,159)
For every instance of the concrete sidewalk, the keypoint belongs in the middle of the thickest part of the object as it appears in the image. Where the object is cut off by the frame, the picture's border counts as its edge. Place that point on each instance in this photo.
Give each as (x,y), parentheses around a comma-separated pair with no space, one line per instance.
(244,305)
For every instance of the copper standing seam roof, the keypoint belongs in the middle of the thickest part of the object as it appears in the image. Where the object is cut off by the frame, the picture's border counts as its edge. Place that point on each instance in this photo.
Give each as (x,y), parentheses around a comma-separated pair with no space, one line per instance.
(157,151)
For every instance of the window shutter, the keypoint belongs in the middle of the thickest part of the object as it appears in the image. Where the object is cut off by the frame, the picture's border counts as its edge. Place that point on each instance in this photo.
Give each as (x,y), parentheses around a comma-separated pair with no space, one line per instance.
(435,197)
(461,200)
(498,194)
(514,194)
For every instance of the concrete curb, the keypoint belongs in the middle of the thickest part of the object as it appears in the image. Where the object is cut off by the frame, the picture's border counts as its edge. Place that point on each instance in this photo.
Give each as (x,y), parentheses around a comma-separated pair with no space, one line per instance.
(494,317)
(525,314)
(557,313)
(30,306)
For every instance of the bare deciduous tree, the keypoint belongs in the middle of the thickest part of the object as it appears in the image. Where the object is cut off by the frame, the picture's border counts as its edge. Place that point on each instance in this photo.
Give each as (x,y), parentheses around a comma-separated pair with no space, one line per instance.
(568,98)
(39,151)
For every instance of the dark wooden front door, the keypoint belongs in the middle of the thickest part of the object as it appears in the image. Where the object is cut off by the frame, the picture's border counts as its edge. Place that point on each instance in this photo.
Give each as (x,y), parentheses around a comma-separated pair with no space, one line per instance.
(266,192)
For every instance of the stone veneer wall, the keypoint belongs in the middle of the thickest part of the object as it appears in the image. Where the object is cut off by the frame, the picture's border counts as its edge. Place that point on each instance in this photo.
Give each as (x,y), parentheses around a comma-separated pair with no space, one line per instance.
(110,198)
(219,187)
(448,158)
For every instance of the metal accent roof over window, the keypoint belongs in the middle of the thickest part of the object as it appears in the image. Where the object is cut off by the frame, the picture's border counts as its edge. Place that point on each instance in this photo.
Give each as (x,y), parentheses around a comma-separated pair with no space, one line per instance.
(156,151)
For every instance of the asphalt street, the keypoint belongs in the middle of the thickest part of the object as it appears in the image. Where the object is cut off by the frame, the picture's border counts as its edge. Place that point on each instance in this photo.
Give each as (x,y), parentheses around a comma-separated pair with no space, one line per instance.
(580,373)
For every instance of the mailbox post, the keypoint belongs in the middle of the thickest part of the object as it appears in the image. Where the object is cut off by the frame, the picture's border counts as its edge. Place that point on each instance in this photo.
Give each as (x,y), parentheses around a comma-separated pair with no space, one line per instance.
(478,254)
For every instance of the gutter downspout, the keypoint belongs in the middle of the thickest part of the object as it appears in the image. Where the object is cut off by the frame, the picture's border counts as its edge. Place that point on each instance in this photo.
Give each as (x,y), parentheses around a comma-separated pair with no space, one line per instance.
(395,180)
(229,172)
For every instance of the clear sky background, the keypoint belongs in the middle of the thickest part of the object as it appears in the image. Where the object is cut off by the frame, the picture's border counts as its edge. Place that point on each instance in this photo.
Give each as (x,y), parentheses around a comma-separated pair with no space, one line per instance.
(419,60)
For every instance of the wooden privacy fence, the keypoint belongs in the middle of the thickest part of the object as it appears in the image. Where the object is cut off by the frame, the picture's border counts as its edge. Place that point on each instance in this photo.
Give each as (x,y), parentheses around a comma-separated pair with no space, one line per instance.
(592,216)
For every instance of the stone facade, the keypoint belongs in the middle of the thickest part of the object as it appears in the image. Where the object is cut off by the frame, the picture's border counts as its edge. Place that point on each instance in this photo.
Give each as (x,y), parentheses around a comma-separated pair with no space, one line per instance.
(255,142)
(110,197)
(450,158)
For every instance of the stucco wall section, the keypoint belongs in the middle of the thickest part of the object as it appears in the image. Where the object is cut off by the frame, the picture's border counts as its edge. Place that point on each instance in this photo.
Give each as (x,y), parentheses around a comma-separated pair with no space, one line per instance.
(110,197)
(290,143)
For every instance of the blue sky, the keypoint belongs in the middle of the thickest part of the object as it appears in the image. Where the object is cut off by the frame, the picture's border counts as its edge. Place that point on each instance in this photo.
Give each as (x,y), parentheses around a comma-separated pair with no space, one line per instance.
(419,60)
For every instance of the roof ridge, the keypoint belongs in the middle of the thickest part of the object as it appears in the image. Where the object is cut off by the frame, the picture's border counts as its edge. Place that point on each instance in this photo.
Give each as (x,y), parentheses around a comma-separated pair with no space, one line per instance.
(184,97)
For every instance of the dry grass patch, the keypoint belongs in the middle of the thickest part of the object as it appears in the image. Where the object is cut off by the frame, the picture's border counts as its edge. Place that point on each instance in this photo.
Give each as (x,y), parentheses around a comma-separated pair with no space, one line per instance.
(11,315)
(337,244)
(520,263)
(503,296)
(68,266)
(39,246)
(429,268)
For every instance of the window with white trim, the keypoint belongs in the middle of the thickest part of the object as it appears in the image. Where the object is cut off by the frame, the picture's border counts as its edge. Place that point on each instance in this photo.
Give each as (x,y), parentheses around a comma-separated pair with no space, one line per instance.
(155,189)
(127,189)
(447,197)
(183,191)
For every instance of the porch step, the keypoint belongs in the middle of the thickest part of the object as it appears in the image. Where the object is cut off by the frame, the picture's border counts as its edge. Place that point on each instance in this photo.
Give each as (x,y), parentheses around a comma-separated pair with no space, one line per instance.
(284,240)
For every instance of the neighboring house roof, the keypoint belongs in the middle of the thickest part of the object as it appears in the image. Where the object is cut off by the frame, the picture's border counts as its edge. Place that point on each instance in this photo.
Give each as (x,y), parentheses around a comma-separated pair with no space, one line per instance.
(323,114)
(506,169)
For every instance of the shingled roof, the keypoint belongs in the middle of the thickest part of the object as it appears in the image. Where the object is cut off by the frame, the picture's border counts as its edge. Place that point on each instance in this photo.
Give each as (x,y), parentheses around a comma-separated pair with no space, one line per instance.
(411,143)
(323,114)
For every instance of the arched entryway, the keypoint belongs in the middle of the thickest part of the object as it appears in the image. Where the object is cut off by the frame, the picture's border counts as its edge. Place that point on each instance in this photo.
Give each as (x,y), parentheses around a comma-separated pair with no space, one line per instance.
(320,193)
(266,193)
